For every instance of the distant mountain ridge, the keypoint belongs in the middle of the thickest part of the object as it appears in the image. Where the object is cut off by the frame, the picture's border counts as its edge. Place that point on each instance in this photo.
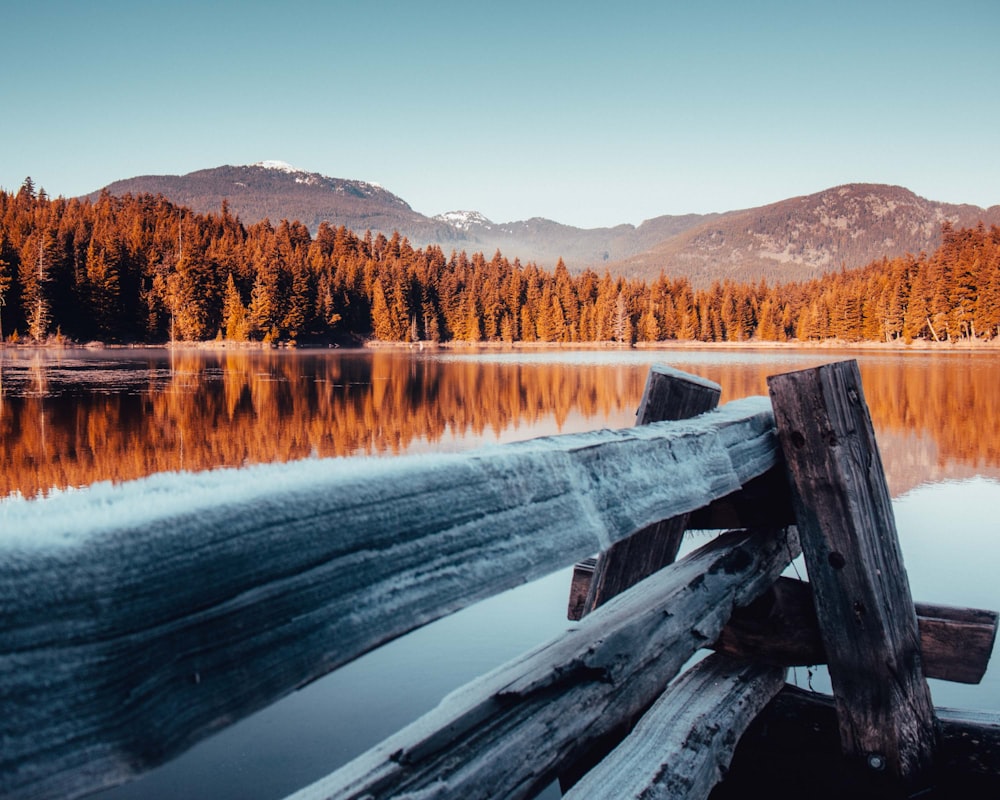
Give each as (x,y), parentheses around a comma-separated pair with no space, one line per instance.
(804,237)
(793,239)
(276,190)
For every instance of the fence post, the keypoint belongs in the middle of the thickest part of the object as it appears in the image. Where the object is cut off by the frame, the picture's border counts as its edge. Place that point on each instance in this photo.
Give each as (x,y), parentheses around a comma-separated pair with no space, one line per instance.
(848,533)
(669,395)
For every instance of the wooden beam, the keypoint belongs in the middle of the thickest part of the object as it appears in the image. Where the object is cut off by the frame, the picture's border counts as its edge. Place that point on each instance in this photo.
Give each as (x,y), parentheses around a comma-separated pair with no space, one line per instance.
(217,593)
(507,733)
(866,614)
(682,746)
(781,628)
(669,395)
(956,643)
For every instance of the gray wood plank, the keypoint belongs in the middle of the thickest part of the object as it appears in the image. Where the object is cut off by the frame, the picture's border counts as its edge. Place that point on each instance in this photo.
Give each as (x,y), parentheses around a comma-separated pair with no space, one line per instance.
(866,614)
(682,746)
(506,734)
(135,620)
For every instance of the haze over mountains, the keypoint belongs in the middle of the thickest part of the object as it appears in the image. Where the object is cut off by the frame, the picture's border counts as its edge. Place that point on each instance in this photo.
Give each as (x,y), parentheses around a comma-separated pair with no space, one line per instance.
(793,239)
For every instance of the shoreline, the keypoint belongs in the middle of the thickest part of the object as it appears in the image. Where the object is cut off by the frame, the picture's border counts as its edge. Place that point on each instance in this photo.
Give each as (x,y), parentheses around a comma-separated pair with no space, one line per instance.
(919,345)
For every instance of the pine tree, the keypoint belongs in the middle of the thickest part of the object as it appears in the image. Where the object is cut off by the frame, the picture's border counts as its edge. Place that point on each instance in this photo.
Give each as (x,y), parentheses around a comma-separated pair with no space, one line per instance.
(622,326)
(235,318)
(382,326)
(104,288)
(6,279)
(36,263)
(649,329)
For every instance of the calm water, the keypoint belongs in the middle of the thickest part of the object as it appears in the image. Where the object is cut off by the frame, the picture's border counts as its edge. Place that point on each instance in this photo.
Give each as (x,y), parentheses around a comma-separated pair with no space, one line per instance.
(72,418)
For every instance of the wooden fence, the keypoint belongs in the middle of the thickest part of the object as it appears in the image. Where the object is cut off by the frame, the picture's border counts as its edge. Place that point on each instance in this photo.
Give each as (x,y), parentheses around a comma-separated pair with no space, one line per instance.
(136,620)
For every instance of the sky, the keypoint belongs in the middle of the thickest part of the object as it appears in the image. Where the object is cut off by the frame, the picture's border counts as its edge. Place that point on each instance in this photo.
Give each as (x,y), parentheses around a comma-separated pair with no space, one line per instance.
(591,114)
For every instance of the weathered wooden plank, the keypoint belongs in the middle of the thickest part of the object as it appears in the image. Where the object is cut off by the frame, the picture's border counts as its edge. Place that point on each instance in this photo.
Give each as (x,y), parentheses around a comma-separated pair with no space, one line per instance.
(136,619)
(956,643)
(669,395)
(506,734)
(682,746)
(781,628)
(852,552)
(792,751)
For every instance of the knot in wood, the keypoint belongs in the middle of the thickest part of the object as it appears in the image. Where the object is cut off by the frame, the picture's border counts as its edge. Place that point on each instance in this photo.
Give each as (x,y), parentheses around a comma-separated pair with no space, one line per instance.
(836,560)
(734,562)
(876,762)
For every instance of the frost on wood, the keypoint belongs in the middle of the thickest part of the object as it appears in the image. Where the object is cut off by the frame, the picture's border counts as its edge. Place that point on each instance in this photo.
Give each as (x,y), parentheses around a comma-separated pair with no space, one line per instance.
(135,619)
(507,733)
(683,745)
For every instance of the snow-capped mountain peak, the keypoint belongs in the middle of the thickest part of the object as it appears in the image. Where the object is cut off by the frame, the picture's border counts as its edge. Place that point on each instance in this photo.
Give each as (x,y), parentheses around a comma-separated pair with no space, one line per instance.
(280,166)
(301,176)
(465,220)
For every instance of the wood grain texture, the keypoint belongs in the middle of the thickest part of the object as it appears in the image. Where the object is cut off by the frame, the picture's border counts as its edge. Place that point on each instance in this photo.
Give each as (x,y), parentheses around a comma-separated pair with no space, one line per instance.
(682,746)
(135,620)
(669,395)
(781,628)
(866,614)
(506,734)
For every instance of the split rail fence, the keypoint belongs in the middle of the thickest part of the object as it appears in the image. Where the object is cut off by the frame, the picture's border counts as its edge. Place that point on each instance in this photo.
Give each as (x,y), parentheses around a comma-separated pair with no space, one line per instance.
(137,620)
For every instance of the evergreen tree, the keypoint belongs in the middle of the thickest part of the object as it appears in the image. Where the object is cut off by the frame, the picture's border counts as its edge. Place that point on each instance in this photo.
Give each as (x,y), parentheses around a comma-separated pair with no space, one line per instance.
(6,279)
(235,317)
(382,326)
(36,263)
(622,326)
(104,288)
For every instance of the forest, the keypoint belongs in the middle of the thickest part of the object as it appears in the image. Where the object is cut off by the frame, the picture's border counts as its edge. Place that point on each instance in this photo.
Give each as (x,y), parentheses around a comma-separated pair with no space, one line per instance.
(140,269)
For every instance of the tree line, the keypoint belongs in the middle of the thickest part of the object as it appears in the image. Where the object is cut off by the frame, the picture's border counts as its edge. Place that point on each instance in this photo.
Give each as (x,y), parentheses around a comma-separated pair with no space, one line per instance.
(142,269)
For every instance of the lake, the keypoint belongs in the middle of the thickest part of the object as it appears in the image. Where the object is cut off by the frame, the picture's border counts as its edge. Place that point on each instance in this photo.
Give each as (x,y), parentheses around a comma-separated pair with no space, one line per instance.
(69,418)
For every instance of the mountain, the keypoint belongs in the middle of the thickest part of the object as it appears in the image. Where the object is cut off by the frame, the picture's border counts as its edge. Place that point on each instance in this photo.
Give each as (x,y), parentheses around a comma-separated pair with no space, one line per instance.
(545,242)
(804,237)
(793,239)
(276,190)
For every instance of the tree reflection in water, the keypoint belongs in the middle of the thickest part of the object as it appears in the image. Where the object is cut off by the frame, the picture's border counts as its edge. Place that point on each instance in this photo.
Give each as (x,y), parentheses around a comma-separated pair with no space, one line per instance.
(71,418)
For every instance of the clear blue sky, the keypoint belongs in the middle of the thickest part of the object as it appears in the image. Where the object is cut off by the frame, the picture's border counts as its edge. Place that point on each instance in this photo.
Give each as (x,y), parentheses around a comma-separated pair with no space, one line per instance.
(587,113)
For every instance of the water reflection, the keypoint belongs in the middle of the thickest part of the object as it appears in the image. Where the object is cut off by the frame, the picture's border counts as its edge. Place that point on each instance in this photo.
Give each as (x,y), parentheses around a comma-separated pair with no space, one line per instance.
(71,418)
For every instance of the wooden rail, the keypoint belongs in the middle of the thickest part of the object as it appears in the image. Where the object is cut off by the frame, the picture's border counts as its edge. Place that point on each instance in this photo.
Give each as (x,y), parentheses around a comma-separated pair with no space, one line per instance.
(136,620)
